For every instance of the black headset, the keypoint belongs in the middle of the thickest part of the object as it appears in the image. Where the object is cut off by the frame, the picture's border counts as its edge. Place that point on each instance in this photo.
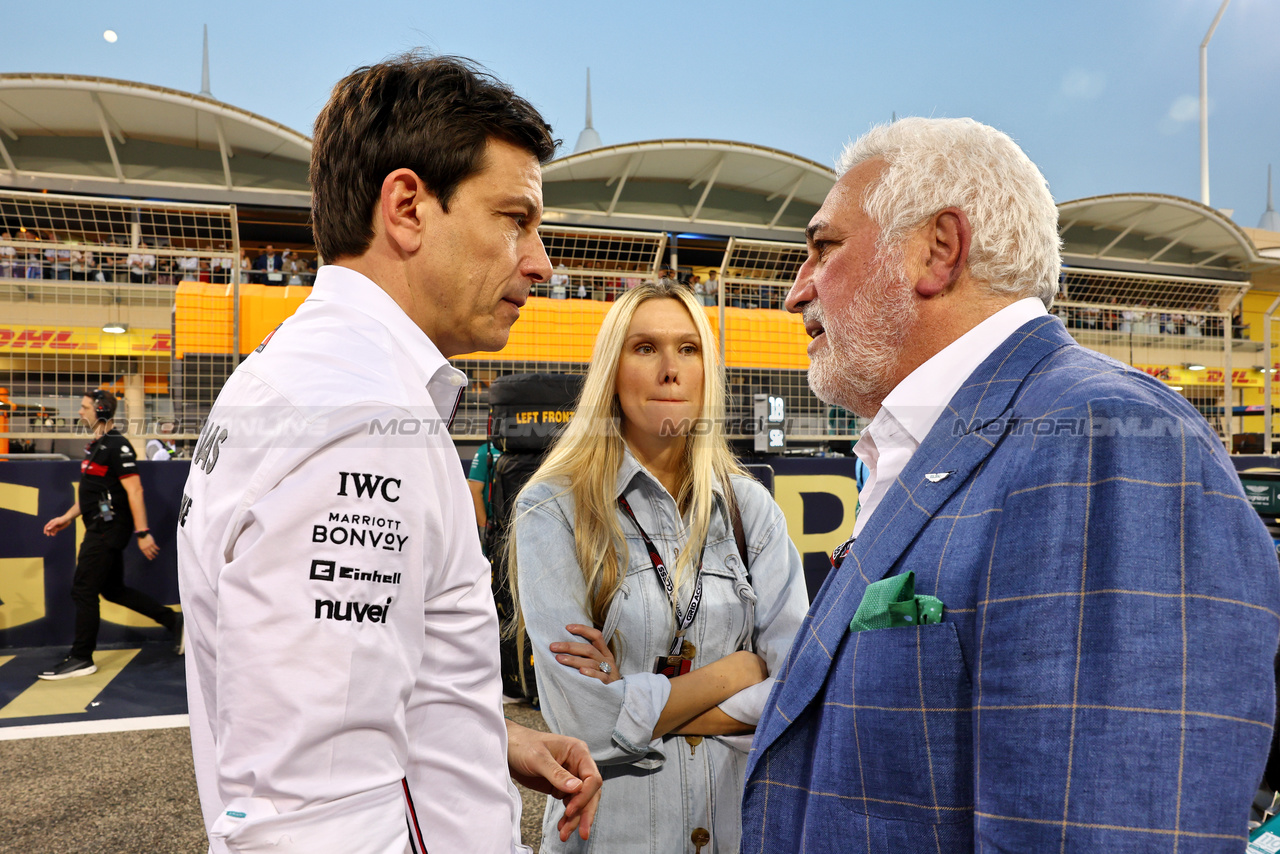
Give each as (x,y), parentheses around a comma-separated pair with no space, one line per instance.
(104,404)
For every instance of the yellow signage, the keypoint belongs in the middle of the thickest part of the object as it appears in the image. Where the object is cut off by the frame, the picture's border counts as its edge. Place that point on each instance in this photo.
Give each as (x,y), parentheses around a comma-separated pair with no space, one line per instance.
(84,339)
(1178,375)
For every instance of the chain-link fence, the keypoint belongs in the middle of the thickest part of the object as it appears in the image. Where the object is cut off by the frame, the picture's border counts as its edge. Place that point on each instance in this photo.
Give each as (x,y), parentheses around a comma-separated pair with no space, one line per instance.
(1184,331)
(1270,335)
(145,298)
(88,291)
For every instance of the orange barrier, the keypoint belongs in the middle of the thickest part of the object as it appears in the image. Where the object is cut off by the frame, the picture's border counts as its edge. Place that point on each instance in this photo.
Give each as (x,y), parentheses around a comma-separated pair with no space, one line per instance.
(549,330)
(203,315)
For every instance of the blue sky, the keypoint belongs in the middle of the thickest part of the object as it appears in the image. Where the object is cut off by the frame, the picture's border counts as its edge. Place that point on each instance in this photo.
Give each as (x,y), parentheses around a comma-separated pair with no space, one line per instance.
(1102,95)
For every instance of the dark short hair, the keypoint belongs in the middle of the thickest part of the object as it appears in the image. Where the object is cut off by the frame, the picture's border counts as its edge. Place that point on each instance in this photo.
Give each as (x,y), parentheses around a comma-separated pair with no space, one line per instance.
(104,403)
(432,115)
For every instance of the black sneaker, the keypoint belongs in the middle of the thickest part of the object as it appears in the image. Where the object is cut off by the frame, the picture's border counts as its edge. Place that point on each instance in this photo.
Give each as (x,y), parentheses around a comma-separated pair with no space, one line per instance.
(180,635)
(70,668)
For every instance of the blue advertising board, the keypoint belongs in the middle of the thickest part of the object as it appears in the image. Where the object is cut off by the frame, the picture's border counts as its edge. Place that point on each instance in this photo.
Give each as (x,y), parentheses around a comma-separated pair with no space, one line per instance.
(817,495)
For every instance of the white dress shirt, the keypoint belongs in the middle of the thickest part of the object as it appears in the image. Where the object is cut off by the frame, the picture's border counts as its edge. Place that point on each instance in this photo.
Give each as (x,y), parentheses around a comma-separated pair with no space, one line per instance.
(341,630)
(909,412)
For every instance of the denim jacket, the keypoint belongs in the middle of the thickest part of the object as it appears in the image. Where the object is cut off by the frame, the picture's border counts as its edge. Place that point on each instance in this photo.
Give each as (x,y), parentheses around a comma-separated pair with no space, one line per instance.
(657,791)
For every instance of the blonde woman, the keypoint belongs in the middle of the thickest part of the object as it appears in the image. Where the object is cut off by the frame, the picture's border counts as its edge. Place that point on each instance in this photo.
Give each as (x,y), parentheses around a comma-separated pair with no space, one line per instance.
(654,635)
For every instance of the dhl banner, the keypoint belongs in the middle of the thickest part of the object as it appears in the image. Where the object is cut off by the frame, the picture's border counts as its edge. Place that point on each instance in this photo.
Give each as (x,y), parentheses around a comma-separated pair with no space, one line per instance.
(84,339)
(1178,375)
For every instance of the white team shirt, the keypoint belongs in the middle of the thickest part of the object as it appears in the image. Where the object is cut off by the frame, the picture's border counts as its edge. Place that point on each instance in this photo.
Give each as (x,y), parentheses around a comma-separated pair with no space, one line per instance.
(341,633)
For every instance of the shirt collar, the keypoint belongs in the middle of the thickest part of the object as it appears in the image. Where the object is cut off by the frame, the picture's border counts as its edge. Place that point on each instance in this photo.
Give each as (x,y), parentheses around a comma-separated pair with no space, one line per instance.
(631,468)
(917,402)
(354,291)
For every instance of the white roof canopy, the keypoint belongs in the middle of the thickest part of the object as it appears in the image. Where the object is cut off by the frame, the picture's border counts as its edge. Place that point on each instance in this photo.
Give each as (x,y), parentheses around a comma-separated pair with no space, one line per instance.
(729,188)
(1155,233)
(94,135)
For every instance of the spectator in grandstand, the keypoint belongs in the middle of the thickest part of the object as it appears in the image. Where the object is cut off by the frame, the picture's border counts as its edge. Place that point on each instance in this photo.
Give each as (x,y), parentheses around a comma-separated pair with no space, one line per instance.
(1111,316)
(220,268)
(189,268)
(1128,320)
(1239,329)
(268,265)
(111,503)
(84,266)
(111,262)
(142,265)
(57,258)
(293,266)
(711,288)
(165,270)
(560,282)
(695,285)
(1193,323)
(739,295)
(245,266)
(1091,316)
(1150,320)
(630,470)
(34,256)
(7,256)
(426,200)
(1074,599)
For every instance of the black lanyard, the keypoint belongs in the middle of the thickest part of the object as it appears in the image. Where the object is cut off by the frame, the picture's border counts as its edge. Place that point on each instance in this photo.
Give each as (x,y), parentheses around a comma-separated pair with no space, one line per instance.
(683,620)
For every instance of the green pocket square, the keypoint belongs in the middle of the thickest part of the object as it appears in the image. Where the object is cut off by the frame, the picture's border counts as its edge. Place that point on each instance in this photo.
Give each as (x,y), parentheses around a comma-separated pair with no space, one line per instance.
(892,602)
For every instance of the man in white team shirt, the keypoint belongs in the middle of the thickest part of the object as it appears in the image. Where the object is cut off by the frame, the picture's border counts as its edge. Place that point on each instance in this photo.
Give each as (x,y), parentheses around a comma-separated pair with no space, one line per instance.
(343,673)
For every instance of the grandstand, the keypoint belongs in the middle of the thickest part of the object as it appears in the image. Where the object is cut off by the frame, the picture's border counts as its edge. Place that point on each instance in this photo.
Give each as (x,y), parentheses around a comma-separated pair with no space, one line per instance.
(101,284)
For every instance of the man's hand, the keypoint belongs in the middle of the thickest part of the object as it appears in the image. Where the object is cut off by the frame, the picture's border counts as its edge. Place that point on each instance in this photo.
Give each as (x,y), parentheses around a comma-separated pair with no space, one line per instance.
(54,526)
(556,765)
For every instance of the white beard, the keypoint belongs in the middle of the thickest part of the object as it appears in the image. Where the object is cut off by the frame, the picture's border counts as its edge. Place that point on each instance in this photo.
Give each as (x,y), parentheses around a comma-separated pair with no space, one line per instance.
(864,341)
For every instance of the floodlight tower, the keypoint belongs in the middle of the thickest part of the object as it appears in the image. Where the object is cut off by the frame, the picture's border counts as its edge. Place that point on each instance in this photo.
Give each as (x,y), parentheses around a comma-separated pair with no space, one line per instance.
(1204,105)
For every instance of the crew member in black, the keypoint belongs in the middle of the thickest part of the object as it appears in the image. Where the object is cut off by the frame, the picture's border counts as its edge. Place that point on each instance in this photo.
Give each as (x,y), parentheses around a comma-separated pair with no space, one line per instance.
(114,513)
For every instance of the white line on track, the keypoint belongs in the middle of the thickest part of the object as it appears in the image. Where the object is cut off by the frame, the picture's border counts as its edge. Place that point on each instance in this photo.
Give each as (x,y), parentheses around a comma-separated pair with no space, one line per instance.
(91,727)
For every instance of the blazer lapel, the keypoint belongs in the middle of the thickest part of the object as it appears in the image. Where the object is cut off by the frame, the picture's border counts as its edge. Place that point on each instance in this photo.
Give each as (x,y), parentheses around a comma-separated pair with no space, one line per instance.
(956,447)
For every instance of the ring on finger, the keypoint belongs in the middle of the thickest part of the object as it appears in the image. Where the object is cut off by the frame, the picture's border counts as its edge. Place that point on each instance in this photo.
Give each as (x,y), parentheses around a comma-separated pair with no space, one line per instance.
(606,668)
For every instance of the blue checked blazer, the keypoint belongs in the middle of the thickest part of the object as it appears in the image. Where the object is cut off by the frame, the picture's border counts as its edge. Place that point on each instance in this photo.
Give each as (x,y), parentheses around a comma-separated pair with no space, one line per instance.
(1102,680)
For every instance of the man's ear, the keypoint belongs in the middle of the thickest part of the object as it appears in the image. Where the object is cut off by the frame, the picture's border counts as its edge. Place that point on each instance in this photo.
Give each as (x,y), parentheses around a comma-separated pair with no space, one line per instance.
(402,206)
(945,237)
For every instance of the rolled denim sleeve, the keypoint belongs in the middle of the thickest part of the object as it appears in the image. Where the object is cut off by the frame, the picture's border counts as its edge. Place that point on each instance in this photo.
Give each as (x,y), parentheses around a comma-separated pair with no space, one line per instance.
(615,720)
(782,599)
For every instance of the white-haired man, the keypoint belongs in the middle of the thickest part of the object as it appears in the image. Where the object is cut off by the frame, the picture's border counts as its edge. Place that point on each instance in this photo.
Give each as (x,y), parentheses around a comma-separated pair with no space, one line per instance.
(1035,638)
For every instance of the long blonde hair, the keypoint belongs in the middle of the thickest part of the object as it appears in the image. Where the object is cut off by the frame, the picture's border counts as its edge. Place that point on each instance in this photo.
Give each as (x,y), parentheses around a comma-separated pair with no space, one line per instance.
(585,459)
